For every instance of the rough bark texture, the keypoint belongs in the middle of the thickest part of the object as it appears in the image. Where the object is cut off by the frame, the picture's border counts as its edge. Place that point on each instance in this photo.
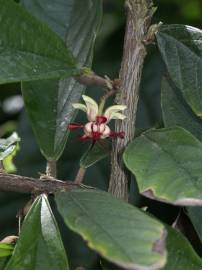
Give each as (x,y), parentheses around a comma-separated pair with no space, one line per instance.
(21,184)
(139,14)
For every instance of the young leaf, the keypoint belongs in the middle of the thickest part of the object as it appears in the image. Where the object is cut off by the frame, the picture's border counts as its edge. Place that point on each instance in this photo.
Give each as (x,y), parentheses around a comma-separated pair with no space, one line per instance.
(29,50)
(8,146)
(176,111)
(49,103)
(166,163)
(6,249)
(118,231)
(99,151)
(181,49)
(40,245)
(181,255)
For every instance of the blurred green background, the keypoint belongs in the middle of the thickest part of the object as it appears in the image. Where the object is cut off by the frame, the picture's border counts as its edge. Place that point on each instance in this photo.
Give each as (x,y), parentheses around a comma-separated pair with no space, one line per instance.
(107,59)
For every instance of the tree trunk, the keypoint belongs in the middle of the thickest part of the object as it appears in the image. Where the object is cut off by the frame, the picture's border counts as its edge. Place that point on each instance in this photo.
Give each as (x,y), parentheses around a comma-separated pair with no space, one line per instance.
(137,35)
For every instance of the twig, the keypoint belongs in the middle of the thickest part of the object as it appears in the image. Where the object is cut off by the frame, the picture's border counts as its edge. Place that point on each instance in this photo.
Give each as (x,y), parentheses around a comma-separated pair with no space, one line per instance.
(80,176)
(22,184)
(104,98)
(51,169)
(91,78)
(137,33)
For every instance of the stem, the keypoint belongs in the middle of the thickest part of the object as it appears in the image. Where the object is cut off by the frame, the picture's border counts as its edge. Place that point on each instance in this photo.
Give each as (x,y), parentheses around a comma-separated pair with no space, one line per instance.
(80,176)
(94,79)
(104,99)
(51,169)
(137,34)
(22,184)
(1,166)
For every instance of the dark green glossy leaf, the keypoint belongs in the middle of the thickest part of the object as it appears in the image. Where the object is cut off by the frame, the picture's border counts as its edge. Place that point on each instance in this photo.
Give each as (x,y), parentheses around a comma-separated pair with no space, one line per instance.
(176,112)
(181,255)
(99,151)
(5,249)
(48,103)
(166,163)
(40,245)
(181,49)
(111,227)
(188,35)
(195,214)
(29,50)
(8,146)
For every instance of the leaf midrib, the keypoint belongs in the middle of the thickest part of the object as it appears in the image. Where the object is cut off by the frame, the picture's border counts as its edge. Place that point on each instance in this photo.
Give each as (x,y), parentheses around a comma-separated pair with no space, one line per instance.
(99,226)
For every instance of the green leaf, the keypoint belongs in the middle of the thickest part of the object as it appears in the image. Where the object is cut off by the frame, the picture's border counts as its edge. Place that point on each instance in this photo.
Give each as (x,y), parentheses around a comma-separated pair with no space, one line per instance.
(5,249)
(29,50)
(118,231)
(49,103)
(195,214)
(3,262)
(99,151)
(40,245)
(8,146)
(166,163)
(181,49)
(176,111)
(181,255)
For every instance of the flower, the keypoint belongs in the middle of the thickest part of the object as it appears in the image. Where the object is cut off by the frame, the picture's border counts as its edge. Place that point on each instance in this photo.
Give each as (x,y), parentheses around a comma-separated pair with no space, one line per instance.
(97,127)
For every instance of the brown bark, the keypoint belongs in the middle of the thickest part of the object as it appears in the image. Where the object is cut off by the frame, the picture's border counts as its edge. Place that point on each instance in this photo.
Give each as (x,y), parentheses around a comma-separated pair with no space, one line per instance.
(139,14)
(22,184)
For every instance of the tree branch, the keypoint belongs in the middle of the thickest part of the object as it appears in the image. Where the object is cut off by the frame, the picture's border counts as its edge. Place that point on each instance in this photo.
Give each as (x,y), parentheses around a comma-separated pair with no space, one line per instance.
(91,78)
(137,34)
(22,184)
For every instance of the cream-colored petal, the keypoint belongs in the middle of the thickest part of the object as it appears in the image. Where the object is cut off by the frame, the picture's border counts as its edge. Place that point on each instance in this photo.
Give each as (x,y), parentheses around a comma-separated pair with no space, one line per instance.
(80,106)
(117,115)
(92,107)
(106,132)
(113,110)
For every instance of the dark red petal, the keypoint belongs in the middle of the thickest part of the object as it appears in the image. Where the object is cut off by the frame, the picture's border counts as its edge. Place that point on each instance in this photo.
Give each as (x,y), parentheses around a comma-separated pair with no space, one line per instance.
(114,135)
(101,119)
(75,126)
(84,138)
(96,135)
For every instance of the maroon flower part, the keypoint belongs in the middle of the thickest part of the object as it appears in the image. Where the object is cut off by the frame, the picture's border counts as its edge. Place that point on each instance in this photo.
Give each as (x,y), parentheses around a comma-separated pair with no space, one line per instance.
(97,127)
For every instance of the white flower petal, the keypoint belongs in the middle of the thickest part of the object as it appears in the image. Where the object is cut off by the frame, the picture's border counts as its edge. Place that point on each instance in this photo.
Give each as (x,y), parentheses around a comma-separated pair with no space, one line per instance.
(113,110)
(80,106)
(92,108)
(119,116)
